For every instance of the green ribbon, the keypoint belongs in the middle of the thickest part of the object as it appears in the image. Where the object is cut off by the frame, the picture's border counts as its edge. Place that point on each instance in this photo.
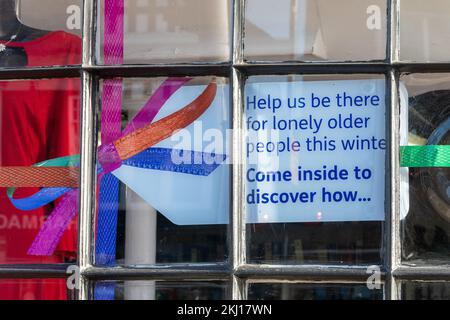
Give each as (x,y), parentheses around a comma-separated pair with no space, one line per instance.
(428,156)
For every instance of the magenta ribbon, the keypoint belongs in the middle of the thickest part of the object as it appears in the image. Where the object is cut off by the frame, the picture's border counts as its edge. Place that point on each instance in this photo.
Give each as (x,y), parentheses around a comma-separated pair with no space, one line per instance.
(108,199)
(113,39)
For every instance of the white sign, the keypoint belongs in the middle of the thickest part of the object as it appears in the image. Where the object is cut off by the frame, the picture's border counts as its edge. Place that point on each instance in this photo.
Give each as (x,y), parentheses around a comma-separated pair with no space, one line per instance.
(188,199)
(315,151)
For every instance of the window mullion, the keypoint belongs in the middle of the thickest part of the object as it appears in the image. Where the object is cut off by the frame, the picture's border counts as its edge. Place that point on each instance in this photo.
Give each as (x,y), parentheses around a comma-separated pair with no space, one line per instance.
(392,173)
(237,220)
(393,30)
(88,152)
(392,258)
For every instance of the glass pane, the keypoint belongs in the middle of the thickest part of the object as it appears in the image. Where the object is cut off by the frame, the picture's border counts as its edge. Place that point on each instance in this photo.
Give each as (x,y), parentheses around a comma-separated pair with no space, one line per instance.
(35,289)
(169,31)
(309,140)
(312,291)
(169,199)
(425,196)
(160,290)
(39,122)
(418,290)
(31,36)
(315,30)
(424,30)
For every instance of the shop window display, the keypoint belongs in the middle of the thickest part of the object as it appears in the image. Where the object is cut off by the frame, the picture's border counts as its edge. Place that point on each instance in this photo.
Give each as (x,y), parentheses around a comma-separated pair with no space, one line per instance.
(144,217)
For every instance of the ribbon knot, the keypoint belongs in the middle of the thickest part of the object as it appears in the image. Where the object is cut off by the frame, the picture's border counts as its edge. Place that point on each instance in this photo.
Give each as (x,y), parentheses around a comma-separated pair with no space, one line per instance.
(108,158)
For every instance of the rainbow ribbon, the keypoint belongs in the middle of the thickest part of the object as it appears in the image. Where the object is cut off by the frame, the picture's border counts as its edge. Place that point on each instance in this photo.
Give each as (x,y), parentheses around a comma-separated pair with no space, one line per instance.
(133,148)
(428,156)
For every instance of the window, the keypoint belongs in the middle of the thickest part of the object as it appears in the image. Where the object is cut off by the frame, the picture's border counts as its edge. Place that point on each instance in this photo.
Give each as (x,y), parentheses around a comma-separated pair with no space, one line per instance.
(104,211)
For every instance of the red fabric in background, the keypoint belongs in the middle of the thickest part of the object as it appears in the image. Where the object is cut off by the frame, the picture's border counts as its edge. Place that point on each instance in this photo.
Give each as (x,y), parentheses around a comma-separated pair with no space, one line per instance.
(39,120)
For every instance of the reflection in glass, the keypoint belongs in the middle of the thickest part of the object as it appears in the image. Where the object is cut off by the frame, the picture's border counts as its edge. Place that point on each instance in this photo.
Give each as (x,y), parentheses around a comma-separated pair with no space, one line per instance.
(35,289)
(424,191)
(312,291)
(424,30)
(172,31)
(315,30)
(162,209)
(160,290)
(328,242)
(415,290)
(33,37)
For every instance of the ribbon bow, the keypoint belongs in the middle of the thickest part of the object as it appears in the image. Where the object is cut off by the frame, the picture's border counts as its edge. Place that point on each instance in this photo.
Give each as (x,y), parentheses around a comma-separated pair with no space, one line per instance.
(58,177)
